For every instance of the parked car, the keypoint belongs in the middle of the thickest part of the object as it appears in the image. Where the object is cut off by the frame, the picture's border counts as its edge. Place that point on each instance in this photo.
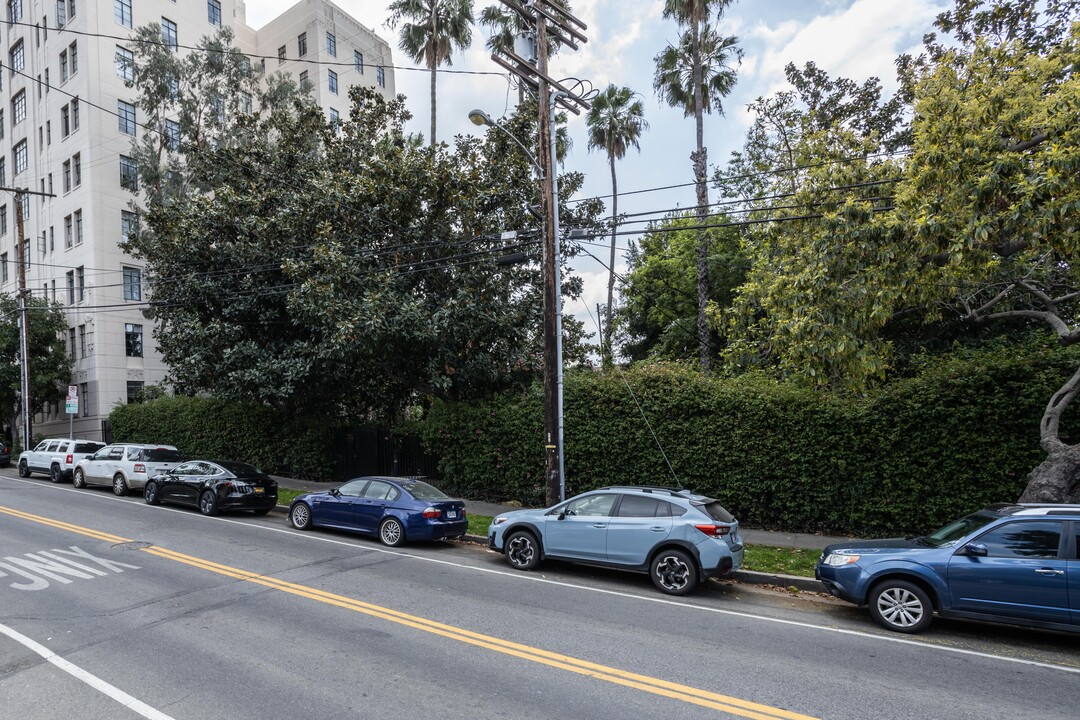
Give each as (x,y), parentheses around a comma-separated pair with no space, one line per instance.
(214,486)
(125,467)
(677,537)
(393,508)
(5,454)
(56,457)
(1006,563)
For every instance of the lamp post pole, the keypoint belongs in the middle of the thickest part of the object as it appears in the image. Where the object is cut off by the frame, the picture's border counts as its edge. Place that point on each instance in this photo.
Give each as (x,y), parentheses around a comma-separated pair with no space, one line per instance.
(24,326)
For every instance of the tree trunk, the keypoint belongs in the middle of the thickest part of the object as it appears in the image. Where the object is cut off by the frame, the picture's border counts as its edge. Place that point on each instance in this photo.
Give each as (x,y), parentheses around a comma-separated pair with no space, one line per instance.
(608,355)
(1056,479)
(433,106)
(700,160)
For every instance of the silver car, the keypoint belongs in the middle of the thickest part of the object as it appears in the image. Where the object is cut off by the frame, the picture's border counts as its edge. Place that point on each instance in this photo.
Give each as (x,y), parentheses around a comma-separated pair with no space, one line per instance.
(125,466)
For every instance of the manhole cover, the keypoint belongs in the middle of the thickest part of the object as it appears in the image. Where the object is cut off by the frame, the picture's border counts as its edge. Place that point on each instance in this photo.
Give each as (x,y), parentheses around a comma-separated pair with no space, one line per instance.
(133,545)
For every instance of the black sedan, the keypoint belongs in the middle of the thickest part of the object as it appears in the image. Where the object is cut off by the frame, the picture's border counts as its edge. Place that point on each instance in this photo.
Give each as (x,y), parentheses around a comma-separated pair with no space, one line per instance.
(394,509)
(213,486)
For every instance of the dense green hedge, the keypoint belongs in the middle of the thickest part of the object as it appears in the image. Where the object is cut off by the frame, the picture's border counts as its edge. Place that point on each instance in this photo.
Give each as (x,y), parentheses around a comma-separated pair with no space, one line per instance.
(962,433)
(209,428)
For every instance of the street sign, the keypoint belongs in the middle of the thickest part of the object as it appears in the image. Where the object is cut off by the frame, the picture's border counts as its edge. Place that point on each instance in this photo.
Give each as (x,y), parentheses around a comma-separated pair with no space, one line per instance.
(73,392)
(72,406)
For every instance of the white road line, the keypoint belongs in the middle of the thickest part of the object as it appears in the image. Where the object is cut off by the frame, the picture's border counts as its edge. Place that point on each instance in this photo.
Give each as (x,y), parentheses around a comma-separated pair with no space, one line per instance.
(530,577)
(92,680)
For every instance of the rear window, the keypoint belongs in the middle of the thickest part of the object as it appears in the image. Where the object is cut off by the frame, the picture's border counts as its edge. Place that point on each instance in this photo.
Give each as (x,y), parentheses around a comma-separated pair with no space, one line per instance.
(85,447)
(716,511)
(161,455)
(423,491)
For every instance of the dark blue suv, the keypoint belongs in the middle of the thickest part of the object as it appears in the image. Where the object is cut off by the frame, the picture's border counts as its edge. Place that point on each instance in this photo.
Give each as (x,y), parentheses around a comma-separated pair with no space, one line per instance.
(1007,563)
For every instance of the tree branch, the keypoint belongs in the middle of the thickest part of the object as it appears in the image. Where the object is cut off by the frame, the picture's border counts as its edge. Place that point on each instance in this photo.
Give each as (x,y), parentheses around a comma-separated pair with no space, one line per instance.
(1049,437)
(1037,139)
(1049,318)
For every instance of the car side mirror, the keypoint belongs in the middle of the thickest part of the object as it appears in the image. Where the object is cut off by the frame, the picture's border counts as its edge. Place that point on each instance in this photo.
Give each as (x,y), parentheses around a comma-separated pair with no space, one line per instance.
(335,492)
(974,549)
(562,515)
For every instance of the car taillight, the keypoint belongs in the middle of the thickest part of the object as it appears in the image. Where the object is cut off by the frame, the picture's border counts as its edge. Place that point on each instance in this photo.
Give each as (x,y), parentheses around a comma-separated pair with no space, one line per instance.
(714,530)
(432,512)
(67,461)
(227,487)
(140,468)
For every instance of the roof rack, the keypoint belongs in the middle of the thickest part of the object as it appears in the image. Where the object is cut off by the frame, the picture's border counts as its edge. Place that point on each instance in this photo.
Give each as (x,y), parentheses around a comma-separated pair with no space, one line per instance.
(649,489)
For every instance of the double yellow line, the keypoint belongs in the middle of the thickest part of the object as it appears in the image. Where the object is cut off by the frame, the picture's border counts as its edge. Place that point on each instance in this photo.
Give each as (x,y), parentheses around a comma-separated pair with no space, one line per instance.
(656,686)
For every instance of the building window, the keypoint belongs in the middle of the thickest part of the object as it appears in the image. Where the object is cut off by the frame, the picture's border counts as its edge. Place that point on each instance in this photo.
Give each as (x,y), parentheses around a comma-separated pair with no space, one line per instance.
(304,84)
(74,114)
(134,391)
(3,219)
(3,268)
(168,34)
(125,112)
(14,10)
(67,176)
(125,64)
(80,283)
(69,228)
(132,283)
(65,121)
(245,102)
(22,158)
(48,132)
(333,81)
(73,51)
(121,11)
(63,66)
(18,108)
(281,54)
(61,13)
(52,246)
(129,174)
(82,340)
(71,343)
(331,44)
(301,45)
(1,124)
(17,57)
(133,340)
(78,228)
(358,61)
(128,224)
(335,118)
(71,287)
(172,135)
(76,170)
(380,76)
(213,12)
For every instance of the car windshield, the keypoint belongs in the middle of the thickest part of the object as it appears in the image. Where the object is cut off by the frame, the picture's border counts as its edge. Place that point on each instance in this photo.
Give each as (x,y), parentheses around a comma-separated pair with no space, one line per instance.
(161,455)
(958,529)
(423,491)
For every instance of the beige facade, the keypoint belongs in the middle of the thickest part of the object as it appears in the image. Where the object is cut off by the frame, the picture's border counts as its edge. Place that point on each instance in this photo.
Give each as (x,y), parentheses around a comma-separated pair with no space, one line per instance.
(64,123)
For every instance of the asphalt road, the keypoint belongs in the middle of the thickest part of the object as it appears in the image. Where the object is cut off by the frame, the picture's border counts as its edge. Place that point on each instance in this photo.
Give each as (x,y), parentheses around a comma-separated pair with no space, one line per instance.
(110,608)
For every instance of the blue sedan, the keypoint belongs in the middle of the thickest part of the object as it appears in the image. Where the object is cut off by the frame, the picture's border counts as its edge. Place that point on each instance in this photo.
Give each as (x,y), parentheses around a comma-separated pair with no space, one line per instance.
(1014,564)
(394,509)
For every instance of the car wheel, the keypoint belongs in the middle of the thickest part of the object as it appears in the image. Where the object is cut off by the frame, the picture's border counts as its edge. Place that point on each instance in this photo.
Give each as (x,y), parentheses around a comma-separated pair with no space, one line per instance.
(208,503)
(78,479)
(119,485)
(391,532)
(521,550)
(901,606)
(54,474)
(150,494)
(300,516)
(673,572)
(24,469)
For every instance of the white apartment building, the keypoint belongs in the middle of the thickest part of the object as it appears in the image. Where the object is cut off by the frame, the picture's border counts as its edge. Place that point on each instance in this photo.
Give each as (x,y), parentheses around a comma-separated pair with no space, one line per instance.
(66,126)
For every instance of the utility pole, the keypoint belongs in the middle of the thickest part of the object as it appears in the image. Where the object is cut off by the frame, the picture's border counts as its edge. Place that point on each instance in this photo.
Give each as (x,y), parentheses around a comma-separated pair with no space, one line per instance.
(24,325)
(551,23)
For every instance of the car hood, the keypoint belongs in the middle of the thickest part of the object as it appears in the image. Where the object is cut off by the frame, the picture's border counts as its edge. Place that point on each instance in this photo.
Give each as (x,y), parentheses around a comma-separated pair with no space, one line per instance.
(866,547)
(516,515)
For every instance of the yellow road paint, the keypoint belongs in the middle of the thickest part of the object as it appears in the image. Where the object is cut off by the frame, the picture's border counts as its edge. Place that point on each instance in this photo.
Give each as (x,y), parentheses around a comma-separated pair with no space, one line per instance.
(656,686)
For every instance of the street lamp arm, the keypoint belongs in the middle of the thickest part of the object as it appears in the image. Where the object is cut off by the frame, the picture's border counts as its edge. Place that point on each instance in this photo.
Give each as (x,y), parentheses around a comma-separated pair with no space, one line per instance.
(479,117)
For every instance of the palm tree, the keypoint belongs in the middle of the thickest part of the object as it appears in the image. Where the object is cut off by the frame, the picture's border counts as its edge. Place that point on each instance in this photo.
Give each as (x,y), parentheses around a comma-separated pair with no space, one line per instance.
(695,75)
(616,121)
(437,27)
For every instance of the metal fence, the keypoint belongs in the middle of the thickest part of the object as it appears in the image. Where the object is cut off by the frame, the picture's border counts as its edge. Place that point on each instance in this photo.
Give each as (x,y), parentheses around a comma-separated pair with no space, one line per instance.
(362,451)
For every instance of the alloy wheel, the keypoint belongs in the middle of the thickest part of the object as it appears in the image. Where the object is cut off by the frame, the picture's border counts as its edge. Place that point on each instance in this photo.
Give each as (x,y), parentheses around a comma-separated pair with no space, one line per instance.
(672,573)
(900,607)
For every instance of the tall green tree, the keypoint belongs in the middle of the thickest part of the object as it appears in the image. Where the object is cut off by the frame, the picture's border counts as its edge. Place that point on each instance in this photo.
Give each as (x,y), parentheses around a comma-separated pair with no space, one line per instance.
(615,121)
(695,74)
(430,32)
(50,365)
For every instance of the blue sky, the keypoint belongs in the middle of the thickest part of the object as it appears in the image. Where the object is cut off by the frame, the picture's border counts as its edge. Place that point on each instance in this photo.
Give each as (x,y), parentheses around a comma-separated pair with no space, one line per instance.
(853,38)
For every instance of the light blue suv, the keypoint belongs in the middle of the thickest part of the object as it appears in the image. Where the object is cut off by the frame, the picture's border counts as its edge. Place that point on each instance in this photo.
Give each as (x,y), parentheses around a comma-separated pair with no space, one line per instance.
(679,538)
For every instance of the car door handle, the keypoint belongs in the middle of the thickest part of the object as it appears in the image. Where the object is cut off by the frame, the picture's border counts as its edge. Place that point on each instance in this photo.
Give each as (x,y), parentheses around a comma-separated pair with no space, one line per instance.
(1049,571)
(657,529)
(600,525)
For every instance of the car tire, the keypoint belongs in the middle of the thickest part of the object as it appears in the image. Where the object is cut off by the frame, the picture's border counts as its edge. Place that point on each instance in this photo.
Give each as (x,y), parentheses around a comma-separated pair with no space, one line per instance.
(24,469)
(392,532)
(522,550)
(150,493)
(300,516)
(55,475)
(673,572)
(208,503)
(78,479)
(900,606)
(119,485)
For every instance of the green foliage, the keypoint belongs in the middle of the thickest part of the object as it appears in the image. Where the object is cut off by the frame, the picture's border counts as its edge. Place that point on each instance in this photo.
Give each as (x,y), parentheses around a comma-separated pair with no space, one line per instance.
(215,429)
(50,365)
(960,434)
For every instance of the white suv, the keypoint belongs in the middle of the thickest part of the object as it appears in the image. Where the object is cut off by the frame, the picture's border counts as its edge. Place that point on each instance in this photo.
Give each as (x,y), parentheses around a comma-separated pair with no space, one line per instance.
(125,467)
(56,457)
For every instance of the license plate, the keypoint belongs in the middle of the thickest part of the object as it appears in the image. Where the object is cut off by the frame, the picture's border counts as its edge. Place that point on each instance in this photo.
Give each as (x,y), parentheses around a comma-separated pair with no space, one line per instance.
(259,491)
(451,514)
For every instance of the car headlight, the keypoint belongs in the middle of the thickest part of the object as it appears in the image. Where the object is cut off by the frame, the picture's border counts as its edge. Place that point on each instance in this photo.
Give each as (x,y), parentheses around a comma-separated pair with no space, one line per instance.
(839,559)
(499,520)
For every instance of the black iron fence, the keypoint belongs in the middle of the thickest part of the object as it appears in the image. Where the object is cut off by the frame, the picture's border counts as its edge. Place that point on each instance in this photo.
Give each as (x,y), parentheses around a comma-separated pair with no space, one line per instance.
(362,451)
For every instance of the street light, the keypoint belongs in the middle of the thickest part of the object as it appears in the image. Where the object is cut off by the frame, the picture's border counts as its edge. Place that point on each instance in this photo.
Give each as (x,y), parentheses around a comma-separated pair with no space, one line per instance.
(481,118)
